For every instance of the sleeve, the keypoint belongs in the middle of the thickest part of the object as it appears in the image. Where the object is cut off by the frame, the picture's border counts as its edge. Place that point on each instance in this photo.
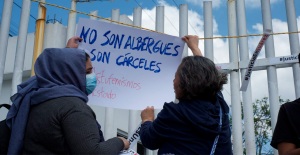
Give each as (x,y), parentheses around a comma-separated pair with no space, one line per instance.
(82,134)
(283,129)
(148,136)
(153,134)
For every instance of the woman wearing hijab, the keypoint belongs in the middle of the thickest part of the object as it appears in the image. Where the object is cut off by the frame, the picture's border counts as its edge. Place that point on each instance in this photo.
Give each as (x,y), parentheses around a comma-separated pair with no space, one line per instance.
(50,115)
(198,123)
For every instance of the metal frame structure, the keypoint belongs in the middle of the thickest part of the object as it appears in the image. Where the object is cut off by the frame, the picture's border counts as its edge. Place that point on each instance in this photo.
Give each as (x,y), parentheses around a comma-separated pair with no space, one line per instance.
(236,67)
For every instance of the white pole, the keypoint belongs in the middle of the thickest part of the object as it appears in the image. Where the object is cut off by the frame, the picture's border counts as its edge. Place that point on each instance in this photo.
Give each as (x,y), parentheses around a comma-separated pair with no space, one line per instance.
(208,30)
(247,96)
(109,128)
(183,25)
(95,13)
(137,16)
(159,24)
(71,21)
(149,152)
(294,41)
(115,15)
(271,70)
(134,115)
(159,27)
(21,46)
(4,31)
(234,81)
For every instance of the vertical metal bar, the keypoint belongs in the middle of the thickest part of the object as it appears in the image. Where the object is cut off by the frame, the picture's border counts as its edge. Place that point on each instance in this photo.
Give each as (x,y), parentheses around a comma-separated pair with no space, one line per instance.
(183,25)
(159,24)
(52,30)
(4,31)
(234,80)
(148,152)
(137,16)
(159,27)
(294,41)
(39,34)
(71,21)
(95,13)
(247,96)
(134,115)
(21,46)
(271,70)
(109,127)
(208,30)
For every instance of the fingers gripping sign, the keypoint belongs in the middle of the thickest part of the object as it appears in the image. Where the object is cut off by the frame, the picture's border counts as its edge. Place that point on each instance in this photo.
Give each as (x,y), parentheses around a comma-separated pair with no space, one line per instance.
(147,114)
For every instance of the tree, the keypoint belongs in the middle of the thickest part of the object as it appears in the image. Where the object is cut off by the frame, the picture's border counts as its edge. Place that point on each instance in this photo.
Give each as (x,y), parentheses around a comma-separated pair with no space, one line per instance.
(262,124)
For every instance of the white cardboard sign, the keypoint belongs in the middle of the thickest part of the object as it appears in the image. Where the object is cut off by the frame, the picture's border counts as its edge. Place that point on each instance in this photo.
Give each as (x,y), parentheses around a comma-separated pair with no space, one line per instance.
(134,68)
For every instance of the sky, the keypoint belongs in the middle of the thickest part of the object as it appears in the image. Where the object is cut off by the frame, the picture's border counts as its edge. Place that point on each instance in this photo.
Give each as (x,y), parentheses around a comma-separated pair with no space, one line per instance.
(220,28)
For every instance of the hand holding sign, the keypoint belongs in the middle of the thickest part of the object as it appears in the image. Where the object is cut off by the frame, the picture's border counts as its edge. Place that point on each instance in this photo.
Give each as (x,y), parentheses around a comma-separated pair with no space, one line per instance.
(73,42)
(126,143)
(147,114)
(192,42)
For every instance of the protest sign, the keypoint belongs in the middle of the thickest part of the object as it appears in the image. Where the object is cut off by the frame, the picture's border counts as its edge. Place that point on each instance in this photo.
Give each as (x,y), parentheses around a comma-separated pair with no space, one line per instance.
(135,68)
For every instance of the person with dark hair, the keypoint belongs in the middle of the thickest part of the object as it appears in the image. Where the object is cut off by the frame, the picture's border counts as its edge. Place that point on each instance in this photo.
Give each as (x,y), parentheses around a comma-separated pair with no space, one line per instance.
(50,115)
(199,122)
(286,136)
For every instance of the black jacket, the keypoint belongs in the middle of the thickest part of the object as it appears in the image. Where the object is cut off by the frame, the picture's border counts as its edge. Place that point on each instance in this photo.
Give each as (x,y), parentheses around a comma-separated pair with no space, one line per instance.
(66,125)
(288,125)
(189,127)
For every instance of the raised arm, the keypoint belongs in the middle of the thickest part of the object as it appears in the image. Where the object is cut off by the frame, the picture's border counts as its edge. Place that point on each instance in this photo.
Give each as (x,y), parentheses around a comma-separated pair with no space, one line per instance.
(192,42)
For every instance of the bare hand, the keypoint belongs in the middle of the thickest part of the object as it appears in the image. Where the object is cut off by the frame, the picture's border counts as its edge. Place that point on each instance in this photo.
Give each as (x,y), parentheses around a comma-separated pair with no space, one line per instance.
(73,42)
(126,143)
(192,42)
(147,114)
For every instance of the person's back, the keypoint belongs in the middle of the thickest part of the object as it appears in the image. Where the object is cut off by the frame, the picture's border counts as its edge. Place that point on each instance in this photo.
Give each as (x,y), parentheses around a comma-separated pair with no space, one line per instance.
(60,126)
(189,127)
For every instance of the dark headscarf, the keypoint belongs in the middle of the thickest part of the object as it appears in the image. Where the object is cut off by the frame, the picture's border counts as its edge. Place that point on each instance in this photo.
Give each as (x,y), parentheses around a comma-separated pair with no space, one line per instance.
(58,73)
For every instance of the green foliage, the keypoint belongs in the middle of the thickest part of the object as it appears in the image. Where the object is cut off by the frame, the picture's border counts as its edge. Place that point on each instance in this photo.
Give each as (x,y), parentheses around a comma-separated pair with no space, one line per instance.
(262,124)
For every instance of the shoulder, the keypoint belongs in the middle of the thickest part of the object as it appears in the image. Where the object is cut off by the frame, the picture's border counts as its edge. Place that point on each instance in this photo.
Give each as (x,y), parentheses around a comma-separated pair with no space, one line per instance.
(292,104)
(171,106)
(169,109)
(67,102)
(67,105)
(290,109)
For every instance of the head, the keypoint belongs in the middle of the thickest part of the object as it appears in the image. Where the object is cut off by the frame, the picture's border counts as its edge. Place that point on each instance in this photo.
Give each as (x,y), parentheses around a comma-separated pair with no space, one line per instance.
(198,78)
(64,67)
(91,80)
